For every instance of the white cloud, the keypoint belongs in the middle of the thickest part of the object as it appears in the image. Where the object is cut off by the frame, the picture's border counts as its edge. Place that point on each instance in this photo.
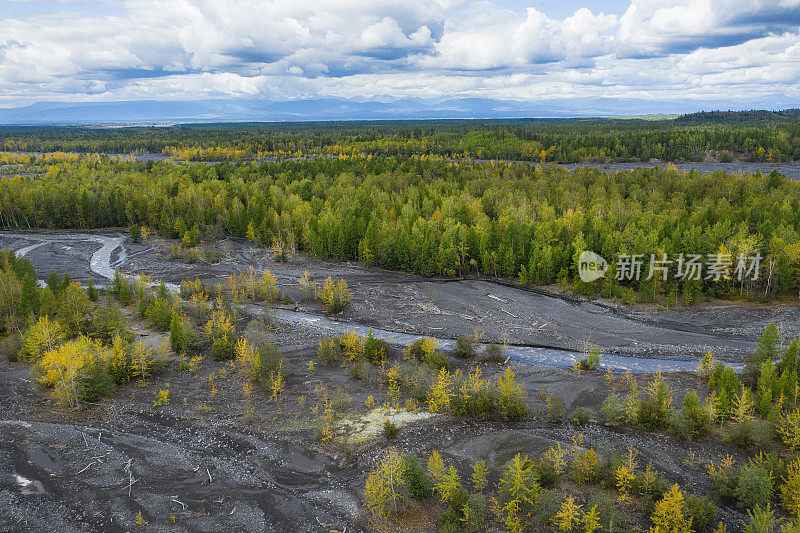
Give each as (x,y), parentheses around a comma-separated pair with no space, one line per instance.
(281,49)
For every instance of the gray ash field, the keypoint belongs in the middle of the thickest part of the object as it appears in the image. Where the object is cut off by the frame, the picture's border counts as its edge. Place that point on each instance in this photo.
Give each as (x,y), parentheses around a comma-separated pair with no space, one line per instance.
(211,461)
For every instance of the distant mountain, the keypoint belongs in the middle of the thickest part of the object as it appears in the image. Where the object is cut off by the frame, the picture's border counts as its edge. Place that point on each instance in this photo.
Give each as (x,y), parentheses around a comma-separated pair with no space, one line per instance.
(237,110)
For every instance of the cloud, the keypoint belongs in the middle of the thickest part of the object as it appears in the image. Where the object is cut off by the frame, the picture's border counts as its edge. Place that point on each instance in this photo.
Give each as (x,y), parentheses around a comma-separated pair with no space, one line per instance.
(281,49)
(664,27)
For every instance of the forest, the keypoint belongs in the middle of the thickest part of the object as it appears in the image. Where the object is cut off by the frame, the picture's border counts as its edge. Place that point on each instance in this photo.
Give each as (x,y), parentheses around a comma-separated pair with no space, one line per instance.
(439,218)
(755,136)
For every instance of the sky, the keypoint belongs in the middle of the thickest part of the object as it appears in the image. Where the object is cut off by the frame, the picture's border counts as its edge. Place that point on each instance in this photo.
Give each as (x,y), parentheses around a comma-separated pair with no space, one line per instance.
(699,53)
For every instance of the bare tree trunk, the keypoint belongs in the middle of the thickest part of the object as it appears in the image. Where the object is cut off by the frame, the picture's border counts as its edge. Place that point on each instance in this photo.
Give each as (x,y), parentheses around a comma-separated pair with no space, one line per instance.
(769,278)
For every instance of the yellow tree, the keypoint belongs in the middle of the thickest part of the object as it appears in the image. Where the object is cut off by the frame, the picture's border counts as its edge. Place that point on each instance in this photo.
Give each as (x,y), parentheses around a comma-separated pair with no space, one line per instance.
(591,520)
(789,428)
(62,366)
(790,489)
(669,515)
(43,336)
(435,466)
(441,392)
(384,484)
(568,516)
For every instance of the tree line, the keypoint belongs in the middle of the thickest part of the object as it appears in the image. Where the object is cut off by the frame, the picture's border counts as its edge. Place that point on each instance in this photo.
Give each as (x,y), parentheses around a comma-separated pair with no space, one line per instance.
(720,136)
(442,218)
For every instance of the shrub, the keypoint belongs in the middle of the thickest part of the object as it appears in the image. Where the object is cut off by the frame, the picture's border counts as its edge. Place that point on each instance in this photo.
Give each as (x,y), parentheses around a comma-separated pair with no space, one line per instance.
(511,403)
(548,503)
(760,520)
(701,510)
(159,312)
(584,467)
(119,289)
(417,349)
(259,364)
(494,353)
(109,322)
(222,348)
(556,412)
(135,231)
(390,430)
(436,360)
(612,520)
(452,518)
(474,512)
(592,359)
(651,486)
(190,338)
(72,307)
(613,410)
(753,434)
(466,347)
(375,350)
(691,421)
(336,296)
(94,381)
(753,487)
(424,349)
(10,347)
(271,359)
(725,480)
(580,416)
(480,402)
(651,414)
(545,473)
(415,479)
(69,370)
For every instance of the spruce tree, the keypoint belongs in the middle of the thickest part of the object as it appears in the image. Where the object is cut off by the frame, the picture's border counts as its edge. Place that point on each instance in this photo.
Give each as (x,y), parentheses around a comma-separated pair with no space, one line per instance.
(53,282)
(29,299)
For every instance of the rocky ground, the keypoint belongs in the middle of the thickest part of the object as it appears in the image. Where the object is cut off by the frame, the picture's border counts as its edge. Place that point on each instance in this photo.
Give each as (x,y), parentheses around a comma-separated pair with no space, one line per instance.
(216,459)
(504,311)
(205,462)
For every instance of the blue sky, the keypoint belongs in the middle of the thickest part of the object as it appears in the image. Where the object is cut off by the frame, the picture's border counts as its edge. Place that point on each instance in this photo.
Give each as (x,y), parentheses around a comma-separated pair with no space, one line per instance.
(699,53)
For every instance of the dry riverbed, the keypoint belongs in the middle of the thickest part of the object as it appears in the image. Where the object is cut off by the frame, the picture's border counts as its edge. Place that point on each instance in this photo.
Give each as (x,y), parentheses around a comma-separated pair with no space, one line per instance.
(215,458)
